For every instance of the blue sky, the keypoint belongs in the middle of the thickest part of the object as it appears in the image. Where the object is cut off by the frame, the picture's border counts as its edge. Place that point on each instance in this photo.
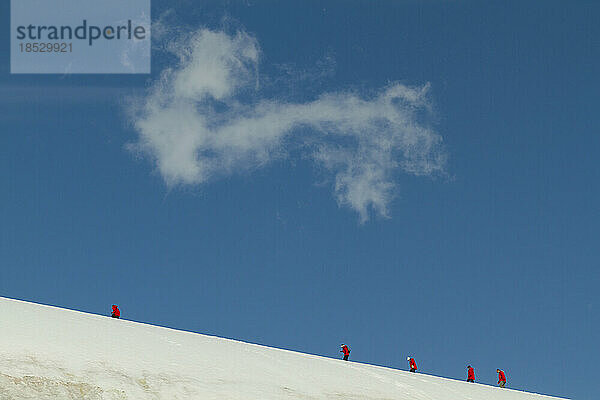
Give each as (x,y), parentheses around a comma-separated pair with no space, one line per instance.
(481,249)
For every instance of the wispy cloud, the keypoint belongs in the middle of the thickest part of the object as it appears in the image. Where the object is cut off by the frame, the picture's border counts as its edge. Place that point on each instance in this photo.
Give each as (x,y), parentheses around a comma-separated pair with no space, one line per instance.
(206,118)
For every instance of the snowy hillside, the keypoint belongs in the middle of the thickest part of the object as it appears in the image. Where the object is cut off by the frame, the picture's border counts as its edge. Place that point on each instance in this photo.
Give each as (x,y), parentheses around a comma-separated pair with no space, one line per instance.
(52,353)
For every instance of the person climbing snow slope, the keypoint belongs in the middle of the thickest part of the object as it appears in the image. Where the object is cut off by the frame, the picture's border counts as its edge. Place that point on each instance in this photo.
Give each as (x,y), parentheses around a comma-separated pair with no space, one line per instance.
(412,364)
(501,378)
(470,374)
(345,350)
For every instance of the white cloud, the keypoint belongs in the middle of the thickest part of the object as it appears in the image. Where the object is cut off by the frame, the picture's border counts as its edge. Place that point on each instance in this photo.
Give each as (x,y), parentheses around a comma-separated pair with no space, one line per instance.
(206,118)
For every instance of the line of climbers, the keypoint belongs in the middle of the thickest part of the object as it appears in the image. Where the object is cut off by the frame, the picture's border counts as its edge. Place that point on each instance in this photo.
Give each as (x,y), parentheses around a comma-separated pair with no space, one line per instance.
(412,364)
(345,350)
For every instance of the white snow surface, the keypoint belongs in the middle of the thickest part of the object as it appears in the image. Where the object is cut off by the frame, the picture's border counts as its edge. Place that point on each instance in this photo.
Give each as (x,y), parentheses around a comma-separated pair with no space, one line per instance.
(53,353)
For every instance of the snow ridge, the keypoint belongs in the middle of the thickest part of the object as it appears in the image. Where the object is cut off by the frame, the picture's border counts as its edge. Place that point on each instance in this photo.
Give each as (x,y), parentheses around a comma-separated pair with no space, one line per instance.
(52,353)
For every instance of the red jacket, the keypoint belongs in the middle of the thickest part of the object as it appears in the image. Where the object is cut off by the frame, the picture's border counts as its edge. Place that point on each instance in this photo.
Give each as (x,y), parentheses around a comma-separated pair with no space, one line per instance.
(471,373)
(501,377)
(115,311)
(412,363)
(345,350)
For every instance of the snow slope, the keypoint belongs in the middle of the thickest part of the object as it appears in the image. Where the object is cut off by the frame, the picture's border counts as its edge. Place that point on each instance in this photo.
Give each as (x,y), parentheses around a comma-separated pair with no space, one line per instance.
(52,353)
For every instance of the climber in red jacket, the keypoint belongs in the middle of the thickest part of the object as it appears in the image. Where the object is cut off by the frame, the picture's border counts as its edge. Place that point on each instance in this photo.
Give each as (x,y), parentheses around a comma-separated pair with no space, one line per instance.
(412,364)
(115,312)
(470,374)
(345,350)
(501,378)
